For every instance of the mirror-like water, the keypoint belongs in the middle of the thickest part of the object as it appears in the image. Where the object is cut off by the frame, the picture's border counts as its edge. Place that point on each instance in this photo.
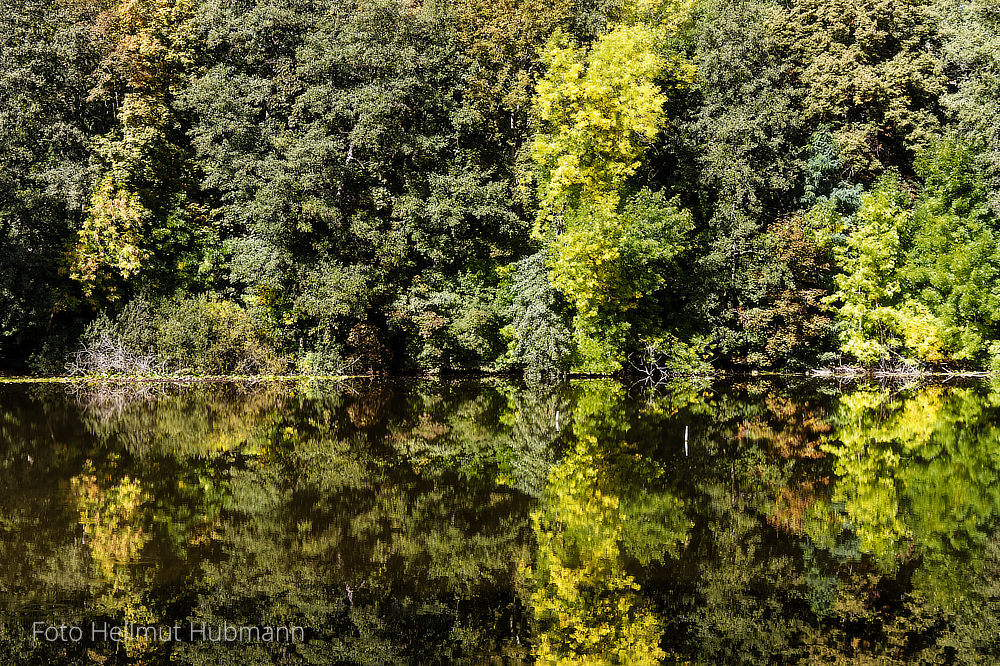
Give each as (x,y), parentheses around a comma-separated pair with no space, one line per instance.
(485,522)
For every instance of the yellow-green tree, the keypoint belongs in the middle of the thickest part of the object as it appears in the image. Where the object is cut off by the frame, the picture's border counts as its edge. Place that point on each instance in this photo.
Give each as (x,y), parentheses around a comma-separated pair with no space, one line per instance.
(597,110)
(608,263)
(138,207)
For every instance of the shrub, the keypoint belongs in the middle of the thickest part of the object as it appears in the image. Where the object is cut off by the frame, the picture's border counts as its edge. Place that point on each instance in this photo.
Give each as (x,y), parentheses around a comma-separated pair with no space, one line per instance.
(448,327)
(215,337)
(324,359)
(193,335)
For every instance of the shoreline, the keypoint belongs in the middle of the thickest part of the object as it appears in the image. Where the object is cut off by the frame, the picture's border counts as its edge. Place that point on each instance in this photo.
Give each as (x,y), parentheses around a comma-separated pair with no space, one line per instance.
(484,374)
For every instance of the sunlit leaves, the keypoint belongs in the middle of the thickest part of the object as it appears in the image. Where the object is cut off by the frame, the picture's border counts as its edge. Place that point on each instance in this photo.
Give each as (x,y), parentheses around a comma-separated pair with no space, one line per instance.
(111,236)
(865,67)
(142,160)
(597,109)
(953,264)
(877,318)
(606,264)
(919,277)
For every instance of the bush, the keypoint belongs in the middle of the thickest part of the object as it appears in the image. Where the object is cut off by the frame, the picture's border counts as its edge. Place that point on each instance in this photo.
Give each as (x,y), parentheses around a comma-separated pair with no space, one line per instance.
(324,359)
(194,335)
(453,326)
(215,337)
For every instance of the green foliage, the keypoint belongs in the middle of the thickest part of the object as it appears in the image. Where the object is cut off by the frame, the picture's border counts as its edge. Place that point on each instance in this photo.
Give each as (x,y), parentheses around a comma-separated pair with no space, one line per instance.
(454,326)
(790,322)
(952,265)
(386,184)
(865,69)
(918,278)
(596,109)
(194,335)
(540,340)
(139,219)
(971,57)
(46,58)
(824,174)
(367,195)
(502,41)
(876,317)
(606,264)
(741,144)
(214,337)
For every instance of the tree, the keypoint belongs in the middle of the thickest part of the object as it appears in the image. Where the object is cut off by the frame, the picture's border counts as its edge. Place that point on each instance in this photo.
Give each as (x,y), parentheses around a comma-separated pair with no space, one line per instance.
(868,68)
(541,340)
(878,318)
(353,195)
(46,123)
(141,219)
(952,266)
(970,52)
(789,324)
(607,264)
(597,108)
(740,138)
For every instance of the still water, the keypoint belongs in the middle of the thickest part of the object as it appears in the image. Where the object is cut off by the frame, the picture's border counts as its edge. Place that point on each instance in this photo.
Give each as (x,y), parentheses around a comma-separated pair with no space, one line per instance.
(492,522)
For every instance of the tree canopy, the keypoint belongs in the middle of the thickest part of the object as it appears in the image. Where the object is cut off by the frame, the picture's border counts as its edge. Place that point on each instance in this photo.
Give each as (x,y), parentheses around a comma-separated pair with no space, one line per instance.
(535,185)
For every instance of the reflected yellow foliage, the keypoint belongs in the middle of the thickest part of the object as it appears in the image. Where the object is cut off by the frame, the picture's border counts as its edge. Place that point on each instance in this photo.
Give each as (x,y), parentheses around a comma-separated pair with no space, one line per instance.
(599,507)
(110,518)
(584,599)
(916,472)
(114,520)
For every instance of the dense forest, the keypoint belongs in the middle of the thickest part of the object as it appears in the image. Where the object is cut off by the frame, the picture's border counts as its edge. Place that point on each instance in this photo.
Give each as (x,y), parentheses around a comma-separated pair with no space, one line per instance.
(598,186)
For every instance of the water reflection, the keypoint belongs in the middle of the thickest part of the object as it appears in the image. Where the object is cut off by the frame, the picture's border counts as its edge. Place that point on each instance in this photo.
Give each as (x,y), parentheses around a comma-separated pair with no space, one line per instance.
(602,504)
(437,522)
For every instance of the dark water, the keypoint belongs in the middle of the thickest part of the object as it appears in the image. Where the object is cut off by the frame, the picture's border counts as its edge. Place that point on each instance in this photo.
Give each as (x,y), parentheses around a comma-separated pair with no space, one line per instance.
(434,522)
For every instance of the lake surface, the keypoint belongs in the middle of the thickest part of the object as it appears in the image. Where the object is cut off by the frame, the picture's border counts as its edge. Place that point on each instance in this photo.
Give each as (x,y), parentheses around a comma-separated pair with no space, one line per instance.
(489,522)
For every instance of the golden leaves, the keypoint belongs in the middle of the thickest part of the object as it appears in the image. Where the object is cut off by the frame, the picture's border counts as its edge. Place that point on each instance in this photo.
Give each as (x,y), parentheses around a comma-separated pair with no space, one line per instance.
(597,110)
(111,237)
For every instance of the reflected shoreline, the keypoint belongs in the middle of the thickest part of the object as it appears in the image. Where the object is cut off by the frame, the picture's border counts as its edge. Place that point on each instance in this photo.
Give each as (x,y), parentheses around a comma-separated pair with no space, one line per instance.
(466,520)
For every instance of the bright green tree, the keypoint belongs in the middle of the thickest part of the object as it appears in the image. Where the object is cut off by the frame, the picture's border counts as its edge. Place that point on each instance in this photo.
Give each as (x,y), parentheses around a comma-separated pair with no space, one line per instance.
(954,264)
(597,109)
(607,264)
(878,319)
